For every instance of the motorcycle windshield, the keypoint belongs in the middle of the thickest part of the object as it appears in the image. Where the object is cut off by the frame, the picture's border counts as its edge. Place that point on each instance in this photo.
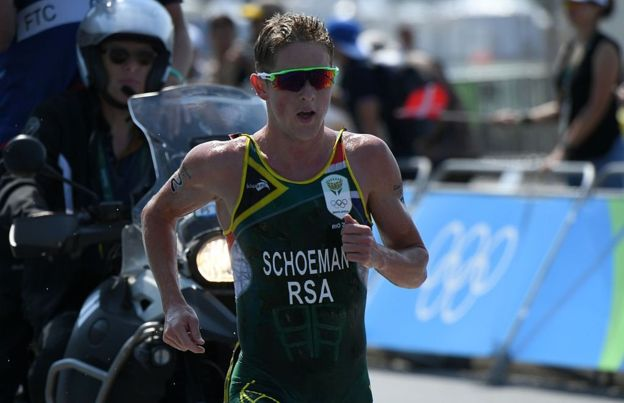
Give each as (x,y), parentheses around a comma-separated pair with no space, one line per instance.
(177,118)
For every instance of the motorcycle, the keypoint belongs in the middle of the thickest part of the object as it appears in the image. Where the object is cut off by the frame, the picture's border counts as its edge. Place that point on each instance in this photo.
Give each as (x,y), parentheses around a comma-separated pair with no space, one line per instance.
(115,352)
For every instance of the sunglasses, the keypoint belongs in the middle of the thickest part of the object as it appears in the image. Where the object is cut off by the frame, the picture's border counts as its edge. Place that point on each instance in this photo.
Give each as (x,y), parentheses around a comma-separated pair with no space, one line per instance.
(295,79)
(119,56)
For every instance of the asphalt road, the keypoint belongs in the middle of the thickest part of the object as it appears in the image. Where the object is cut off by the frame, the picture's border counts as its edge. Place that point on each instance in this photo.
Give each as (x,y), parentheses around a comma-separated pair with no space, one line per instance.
(409,387)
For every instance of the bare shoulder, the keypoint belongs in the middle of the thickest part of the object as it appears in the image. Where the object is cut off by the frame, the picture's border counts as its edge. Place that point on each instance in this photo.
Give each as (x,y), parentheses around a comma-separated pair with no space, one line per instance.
(372,163)
(217,156)
(217,164)
(367,152)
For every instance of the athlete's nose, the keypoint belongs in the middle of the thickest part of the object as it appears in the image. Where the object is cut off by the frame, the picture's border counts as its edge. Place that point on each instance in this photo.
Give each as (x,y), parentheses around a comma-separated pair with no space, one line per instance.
(307,92)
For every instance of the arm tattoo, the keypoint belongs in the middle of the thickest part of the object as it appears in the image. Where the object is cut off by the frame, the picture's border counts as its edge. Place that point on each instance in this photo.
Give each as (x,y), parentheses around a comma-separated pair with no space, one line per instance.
(178,179)
(398,190)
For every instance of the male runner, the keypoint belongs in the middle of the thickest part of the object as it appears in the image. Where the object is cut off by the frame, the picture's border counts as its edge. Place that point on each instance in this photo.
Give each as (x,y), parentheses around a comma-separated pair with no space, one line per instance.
(297,201)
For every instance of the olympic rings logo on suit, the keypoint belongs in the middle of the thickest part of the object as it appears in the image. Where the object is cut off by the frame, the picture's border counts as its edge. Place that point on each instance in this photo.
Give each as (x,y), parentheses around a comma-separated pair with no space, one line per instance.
(466,264)
(339,203)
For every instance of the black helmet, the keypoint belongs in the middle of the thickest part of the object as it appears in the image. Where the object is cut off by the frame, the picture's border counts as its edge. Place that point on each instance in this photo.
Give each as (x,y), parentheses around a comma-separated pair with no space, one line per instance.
(145,20)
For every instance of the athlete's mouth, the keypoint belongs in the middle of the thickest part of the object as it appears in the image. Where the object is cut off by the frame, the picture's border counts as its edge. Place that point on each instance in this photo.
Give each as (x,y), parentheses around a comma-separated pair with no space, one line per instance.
(306,115)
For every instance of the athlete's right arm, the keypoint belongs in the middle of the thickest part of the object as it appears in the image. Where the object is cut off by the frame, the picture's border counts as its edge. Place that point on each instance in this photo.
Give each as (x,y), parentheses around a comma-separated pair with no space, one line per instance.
(202,177)
(8,18)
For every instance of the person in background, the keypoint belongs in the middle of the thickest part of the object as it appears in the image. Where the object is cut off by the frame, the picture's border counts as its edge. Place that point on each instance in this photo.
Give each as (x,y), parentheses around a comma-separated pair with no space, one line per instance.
(258,13)
(38,54)
(89,132)
(405,35)
(229,64)
(586,78)
(301,324)
(357,91)
(199,44)
(182,45)
(444,132)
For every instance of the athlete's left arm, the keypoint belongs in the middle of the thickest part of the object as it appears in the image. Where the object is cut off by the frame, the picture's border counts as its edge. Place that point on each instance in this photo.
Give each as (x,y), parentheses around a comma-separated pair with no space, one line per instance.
(403,257)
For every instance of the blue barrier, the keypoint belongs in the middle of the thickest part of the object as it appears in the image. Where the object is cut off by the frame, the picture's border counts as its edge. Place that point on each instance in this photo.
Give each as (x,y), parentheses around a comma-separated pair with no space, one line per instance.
(538,277)
(577,319)
(478,273)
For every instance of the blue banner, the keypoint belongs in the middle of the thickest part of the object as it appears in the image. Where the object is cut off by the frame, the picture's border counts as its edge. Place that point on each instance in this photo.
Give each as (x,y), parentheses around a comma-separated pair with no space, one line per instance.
(577,318)
(478,274)
(486,252)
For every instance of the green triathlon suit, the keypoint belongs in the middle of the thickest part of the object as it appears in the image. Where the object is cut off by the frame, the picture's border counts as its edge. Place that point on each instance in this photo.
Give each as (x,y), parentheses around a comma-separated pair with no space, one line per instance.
(300,303)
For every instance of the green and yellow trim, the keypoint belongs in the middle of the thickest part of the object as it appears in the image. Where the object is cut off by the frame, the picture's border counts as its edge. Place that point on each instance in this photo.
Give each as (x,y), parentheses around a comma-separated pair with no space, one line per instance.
(266,165)
(279,190)
(612,358)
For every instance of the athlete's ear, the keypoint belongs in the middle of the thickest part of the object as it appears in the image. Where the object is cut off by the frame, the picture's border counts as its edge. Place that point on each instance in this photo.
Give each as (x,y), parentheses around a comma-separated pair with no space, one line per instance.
(259,85)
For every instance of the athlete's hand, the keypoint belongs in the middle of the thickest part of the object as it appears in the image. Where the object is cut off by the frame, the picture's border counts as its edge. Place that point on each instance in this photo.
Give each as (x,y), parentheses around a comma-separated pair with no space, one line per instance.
(359,243)
(553,159)
(182,329)
(505,117)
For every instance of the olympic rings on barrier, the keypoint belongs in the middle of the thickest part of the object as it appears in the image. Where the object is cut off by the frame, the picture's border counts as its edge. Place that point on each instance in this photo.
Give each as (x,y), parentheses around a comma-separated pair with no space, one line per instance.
(466,264)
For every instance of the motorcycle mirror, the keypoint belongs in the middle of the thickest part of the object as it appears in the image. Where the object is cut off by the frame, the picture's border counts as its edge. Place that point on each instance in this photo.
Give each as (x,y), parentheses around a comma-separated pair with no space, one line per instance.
(24,156)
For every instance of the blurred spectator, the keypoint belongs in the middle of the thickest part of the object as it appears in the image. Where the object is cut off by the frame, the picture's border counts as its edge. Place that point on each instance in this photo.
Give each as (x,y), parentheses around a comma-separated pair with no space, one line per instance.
(198,44)
(357,90)
(183,48)
(587,74)
(406,37)
(38,54)
(427,117)
(446,133)
(229,64)
(258,12)
(400,95)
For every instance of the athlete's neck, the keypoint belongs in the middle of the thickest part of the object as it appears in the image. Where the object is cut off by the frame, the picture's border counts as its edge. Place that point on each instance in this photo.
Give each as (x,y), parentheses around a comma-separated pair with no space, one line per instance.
(293,158)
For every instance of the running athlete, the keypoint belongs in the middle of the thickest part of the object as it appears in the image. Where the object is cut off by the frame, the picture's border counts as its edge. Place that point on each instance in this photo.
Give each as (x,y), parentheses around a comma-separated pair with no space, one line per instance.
(297,201)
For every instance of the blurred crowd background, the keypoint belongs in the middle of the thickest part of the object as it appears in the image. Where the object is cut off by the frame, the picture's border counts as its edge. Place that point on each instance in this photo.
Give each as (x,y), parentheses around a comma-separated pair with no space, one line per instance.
(495,54)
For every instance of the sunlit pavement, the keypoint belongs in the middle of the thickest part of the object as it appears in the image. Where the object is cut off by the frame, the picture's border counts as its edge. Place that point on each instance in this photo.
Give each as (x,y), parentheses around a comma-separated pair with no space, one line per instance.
(439,387)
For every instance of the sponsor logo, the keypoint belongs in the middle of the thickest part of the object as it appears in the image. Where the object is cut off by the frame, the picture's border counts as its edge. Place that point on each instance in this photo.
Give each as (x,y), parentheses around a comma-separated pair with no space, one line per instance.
(467,263)
(337,195)
(43,15)
(262,184)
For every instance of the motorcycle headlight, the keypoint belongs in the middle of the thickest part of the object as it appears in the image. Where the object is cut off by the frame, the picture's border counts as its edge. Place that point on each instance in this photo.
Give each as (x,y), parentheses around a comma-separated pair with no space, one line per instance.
(213,261)
(208,260)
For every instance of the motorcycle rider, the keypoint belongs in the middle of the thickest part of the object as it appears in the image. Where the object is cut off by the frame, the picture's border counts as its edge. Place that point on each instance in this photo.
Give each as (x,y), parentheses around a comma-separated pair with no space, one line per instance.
(124,48)
(38,54)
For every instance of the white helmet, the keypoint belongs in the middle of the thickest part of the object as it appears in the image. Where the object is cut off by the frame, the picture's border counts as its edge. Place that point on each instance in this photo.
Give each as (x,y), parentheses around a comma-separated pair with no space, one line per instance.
(124,19)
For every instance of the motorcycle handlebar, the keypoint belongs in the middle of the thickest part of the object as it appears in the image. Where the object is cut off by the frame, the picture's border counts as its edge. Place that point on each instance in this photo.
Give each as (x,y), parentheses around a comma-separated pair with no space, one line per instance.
(56,234)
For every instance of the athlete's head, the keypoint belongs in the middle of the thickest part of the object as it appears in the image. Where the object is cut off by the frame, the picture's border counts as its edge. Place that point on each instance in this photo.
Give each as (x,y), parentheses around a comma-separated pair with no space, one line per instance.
(125,47)
(295,74)
(284,29)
